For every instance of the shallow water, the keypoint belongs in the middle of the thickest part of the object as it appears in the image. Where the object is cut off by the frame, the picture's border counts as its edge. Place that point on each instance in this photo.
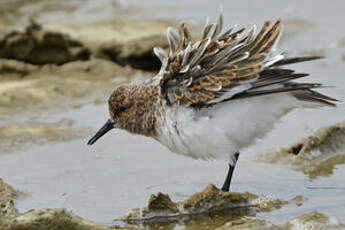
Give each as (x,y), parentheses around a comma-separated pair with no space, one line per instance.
(115,175)
(120,171)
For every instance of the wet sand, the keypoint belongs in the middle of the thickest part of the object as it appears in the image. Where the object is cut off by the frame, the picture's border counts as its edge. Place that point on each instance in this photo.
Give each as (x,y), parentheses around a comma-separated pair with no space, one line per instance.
(55,75)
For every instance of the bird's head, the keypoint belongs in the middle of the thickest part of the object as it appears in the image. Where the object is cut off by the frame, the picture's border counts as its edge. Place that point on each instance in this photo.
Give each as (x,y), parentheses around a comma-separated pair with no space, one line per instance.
(130,109)
(120,104)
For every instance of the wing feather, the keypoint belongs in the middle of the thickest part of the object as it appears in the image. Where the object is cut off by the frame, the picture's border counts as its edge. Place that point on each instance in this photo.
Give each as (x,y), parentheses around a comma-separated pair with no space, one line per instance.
(228,65)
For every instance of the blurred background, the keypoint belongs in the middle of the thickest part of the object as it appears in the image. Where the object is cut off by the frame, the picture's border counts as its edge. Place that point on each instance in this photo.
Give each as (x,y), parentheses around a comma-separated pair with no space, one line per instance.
(59,61)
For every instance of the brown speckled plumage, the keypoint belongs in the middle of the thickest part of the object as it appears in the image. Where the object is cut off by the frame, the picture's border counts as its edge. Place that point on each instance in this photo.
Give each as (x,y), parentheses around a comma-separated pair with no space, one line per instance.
(195,74)
(133,108)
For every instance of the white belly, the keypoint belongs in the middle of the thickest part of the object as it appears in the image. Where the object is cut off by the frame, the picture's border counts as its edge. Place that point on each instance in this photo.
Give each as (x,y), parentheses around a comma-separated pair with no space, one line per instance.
(220,131)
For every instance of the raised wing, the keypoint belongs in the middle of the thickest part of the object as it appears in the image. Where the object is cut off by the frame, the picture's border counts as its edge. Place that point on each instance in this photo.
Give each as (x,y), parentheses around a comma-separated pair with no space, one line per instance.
(222,65)
(218,66)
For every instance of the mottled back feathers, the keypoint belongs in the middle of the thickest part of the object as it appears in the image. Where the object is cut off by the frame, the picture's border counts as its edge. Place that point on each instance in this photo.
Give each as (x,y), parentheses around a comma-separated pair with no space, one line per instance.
(223,65)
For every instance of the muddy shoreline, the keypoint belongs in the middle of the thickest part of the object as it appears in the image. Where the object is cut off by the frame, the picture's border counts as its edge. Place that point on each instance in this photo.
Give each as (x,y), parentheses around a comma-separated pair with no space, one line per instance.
(235,210)
(41,65)
(40,61)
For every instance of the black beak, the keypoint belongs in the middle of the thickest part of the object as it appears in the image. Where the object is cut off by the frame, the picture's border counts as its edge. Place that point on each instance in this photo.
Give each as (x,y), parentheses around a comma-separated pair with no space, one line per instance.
(106,127)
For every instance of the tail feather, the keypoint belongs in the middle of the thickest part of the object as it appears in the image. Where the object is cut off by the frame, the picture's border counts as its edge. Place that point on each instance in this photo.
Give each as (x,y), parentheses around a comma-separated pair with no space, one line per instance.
(276,79)
(313,96)
(278,88)
(279,80)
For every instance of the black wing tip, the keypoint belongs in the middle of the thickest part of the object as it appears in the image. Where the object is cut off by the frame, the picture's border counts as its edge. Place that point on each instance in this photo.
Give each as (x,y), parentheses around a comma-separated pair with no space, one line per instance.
(293,60)
(328,98)
(312,95)
(314,57)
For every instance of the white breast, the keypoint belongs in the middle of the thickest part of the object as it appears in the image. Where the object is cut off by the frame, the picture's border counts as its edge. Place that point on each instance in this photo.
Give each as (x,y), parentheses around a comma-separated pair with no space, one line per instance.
(220,131)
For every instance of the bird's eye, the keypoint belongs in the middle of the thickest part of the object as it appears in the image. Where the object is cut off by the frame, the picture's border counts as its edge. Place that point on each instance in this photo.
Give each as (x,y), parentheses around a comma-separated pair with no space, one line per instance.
(122,108)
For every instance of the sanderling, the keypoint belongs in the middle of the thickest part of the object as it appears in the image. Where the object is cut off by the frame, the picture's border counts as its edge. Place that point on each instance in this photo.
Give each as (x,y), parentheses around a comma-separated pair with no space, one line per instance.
(216,96)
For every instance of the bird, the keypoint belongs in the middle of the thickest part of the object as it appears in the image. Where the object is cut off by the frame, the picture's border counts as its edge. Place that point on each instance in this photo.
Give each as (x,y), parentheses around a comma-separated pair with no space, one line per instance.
(215,95)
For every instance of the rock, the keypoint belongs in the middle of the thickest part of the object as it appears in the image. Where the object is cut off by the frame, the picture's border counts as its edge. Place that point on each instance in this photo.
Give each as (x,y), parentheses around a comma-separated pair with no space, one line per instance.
(56,219)
(298,200)
(316,155)
(136,53)
(126,42)
(249,224)
(161,202)
(210,201)
(37,46)
(7,196)
(46,63)
(49,219)
(24,86)
(213,199)
(16,68)
(314,220)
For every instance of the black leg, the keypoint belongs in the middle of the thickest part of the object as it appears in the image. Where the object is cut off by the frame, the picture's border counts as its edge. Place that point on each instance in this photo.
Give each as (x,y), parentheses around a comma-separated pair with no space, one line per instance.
(227,182)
